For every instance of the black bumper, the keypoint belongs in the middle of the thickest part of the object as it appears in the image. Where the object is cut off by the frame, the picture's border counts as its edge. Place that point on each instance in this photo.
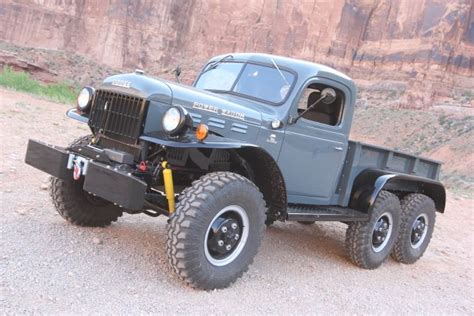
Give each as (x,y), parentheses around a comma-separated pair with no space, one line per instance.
(101,179)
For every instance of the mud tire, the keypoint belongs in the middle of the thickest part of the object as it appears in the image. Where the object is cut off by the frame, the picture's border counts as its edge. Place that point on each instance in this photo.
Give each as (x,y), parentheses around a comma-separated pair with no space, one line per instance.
(359,235)
(414,206)
(76,205)
(188,232)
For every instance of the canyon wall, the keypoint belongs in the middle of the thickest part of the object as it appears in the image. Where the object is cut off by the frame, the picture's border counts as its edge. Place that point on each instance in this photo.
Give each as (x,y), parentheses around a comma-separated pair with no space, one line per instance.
(425,47)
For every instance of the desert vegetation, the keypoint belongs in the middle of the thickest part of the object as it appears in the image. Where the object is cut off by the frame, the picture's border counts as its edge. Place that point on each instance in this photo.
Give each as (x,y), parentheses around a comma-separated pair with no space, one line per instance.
(22,81)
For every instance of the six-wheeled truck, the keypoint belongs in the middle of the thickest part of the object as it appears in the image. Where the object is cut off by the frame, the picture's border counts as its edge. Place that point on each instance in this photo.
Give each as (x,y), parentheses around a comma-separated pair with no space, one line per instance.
(256,139)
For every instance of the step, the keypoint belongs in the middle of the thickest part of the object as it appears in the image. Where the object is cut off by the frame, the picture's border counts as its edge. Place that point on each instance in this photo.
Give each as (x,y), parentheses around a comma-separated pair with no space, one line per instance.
(308,213)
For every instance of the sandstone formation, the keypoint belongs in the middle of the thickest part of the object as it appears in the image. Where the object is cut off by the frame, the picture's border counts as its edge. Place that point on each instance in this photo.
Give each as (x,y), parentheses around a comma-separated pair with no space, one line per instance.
(424,47)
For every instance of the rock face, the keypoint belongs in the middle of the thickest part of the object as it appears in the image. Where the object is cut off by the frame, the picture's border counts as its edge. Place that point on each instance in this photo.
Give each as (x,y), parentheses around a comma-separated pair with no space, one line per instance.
(427,46)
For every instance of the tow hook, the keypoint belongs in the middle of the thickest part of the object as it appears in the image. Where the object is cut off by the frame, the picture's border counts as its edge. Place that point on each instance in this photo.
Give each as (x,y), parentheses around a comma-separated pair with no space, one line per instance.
(76,174)
(78,164)
(142,166)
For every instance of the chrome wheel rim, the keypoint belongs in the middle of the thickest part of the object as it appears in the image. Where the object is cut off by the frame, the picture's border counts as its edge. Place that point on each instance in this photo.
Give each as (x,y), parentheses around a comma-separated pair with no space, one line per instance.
(226,235)
(419,230)
(382,231)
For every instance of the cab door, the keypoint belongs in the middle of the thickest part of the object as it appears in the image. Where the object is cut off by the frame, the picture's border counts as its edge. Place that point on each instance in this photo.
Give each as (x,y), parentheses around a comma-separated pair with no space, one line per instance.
(314,148)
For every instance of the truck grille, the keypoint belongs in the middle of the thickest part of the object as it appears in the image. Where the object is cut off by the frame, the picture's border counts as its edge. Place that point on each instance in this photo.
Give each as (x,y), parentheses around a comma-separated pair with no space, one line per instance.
(117,118)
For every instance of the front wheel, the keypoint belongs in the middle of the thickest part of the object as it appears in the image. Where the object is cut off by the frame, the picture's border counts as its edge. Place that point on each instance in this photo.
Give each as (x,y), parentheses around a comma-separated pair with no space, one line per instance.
(79,207)
(216,230)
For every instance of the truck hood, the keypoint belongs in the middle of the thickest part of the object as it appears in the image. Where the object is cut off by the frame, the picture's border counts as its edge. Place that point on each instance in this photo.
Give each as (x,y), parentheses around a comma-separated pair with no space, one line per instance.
(210,106)
(202,105)
(141,85)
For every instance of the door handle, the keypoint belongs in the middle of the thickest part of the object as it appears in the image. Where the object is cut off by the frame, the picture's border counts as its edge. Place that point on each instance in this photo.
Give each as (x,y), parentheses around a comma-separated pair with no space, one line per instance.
(338,148)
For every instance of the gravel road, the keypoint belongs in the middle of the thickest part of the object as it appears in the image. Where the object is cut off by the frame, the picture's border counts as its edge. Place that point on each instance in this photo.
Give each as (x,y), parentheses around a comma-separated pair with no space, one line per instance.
(50,266)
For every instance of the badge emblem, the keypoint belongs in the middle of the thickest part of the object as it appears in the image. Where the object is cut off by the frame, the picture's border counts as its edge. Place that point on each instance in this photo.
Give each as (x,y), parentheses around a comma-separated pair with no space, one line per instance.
(121,83)
(272,139)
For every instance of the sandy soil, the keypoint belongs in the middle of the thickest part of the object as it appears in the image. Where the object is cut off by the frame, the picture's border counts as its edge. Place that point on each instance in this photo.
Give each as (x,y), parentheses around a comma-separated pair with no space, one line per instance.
(49,266)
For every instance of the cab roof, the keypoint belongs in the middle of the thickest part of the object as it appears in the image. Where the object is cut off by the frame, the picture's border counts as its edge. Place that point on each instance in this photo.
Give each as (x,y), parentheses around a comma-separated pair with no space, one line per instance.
(304,69)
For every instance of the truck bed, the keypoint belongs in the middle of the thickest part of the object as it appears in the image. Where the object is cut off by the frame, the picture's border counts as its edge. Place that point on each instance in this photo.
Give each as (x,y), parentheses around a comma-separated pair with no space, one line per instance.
(361,156)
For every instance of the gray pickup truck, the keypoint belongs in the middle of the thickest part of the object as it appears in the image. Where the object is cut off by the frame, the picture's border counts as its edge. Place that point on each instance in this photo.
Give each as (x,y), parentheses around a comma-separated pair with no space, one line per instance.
(256,139)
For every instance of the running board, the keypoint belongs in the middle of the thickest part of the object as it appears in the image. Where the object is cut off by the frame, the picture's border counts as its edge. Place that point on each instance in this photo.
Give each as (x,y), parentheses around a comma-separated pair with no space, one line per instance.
(309,213)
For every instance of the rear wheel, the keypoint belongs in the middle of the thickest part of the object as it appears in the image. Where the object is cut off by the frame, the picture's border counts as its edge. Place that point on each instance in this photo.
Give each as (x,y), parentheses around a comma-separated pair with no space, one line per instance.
(416,228)
(216,230)
(306,222)
(369,243)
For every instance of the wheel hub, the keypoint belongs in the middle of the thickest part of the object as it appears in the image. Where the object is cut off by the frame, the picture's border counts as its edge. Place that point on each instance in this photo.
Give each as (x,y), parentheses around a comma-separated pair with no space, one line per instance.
(381,232)
(227,235)
(418,231)
(224,235)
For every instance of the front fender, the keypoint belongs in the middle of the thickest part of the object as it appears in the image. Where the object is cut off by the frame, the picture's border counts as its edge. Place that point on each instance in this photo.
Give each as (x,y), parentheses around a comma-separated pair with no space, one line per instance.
(189,141)
(264,170)
(371,182)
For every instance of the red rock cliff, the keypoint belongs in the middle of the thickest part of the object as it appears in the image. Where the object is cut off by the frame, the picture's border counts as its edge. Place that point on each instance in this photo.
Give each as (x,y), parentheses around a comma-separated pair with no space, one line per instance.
(426,44)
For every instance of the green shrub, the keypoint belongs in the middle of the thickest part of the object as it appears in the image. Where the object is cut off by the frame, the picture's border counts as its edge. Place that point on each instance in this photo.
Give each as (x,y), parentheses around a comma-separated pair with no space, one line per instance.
(61,92)
(21,81)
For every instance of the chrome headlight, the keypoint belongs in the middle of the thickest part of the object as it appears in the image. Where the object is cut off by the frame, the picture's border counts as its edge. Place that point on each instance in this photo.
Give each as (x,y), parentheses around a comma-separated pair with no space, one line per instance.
(174,120)
(84,99)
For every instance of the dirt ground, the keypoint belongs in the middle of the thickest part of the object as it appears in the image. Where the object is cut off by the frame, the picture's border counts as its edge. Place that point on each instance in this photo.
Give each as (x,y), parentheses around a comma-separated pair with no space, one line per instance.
(50,266)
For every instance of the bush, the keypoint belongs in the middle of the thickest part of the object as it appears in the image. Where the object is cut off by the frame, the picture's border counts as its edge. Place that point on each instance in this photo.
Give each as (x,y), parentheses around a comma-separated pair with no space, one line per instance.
(21,81)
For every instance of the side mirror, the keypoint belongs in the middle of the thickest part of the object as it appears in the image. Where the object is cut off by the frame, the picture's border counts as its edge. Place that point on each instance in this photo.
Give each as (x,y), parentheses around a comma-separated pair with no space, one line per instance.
(328,95)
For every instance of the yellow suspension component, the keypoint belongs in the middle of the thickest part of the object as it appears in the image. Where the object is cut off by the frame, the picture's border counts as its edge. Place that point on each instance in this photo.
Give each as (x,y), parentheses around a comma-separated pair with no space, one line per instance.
(169,187)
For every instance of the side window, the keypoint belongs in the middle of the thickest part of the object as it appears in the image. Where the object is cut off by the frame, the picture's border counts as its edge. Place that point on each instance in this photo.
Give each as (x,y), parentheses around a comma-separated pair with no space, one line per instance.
(329,114)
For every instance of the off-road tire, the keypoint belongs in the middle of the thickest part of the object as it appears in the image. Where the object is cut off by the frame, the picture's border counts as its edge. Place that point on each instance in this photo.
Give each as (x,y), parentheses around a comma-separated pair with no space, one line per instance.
(359,234)
(269,222)
(307,223)
(83,140)
(270,218)
(413,205)
(76,205)
(188,227)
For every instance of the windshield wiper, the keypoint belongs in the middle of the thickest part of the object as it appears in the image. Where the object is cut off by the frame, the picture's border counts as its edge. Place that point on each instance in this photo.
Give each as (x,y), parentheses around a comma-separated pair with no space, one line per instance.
(216,63)
(279,71)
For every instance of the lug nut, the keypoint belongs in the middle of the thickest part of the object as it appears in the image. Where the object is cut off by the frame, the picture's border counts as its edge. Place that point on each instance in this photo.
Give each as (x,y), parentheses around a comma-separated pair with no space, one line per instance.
(228,247)
(220,243)
(224,229)
(234,226)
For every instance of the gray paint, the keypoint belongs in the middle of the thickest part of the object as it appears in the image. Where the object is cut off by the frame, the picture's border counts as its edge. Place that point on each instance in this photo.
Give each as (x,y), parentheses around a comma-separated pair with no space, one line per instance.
(361,156)
(318,163)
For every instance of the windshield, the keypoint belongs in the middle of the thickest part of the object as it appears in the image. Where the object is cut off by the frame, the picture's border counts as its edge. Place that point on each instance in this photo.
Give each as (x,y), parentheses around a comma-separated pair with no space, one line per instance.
(256,81)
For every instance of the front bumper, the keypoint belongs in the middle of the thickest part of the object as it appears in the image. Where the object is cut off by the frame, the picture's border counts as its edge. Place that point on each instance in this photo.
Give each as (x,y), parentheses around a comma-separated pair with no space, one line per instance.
(101,179)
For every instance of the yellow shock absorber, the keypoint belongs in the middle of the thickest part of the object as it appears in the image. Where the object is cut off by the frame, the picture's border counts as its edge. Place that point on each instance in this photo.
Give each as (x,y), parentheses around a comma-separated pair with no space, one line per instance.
(169,187)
